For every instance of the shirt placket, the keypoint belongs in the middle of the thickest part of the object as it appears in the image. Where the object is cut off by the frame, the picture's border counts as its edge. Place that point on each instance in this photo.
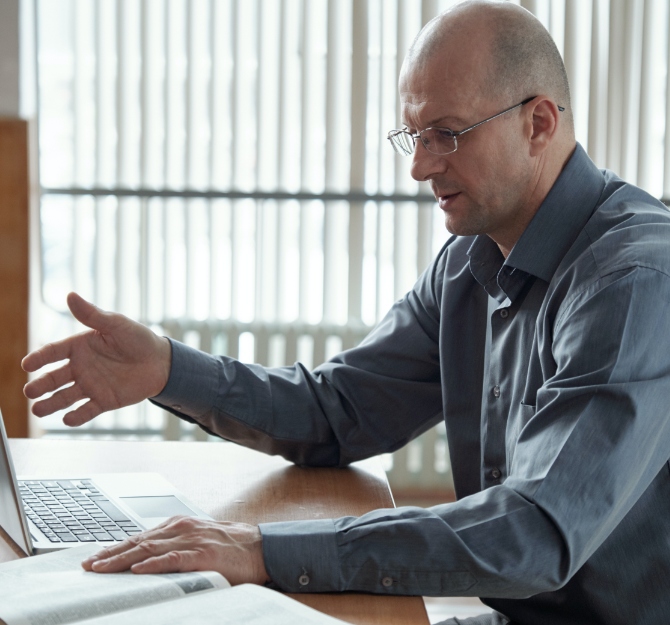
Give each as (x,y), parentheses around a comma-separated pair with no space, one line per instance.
(495,401)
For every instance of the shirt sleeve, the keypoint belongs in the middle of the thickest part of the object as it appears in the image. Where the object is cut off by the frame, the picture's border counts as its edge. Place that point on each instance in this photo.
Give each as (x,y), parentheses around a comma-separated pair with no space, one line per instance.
(599,435)
(368,400)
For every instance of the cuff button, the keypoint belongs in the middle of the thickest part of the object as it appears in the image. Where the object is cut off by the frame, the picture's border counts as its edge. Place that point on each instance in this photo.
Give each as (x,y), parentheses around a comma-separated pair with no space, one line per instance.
(387,582)
(303,580)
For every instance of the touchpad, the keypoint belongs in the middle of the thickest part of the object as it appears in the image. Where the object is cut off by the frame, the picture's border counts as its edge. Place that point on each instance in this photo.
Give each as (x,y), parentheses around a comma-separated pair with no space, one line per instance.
(161,506)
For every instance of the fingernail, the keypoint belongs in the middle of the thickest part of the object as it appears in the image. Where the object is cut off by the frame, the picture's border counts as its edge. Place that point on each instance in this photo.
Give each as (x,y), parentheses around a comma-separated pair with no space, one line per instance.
(98,564)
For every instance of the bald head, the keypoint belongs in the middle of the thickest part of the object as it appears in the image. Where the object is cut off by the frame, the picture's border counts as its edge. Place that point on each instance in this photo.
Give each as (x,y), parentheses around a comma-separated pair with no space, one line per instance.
(512,56)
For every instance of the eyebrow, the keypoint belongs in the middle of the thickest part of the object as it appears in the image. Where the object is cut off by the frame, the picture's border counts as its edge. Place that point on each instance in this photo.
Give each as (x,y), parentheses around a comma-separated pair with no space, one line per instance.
(435,123)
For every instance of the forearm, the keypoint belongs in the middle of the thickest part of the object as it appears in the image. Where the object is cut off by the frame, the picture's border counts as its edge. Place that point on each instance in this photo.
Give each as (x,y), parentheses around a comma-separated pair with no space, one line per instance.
(511,550)
(342,412)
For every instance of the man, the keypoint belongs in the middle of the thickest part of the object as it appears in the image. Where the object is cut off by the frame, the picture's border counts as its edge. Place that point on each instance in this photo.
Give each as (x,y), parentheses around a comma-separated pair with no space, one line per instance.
(539,334)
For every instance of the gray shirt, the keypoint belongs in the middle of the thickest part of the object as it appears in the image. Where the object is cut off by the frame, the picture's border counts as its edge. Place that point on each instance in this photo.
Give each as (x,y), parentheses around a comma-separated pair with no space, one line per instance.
(558,426)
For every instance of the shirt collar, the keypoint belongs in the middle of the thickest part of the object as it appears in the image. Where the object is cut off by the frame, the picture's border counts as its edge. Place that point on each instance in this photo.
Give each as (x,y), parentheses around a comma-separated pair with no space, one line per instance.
(547,238)
(560,218)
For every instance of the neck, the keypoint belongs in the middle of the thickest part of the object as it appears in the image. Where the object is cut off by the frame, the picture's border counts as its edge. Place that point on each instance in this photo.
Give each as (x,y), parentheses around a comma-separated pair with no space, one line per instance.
(538,192)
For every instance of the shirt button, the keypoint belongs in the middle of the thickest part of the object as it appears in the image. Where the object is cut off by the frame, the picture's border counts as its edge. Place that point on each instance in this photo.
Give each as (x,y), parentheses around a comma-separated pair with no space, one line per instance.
(504,313)
(303,580)
(496,391)
(177,406)
(387,582)
(495,474)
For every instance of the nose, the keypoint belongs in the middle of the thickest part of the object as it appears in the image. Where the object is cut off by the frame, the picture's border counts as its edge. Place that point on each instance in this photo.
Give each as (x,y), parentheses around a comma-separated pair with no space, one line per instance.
(425,164)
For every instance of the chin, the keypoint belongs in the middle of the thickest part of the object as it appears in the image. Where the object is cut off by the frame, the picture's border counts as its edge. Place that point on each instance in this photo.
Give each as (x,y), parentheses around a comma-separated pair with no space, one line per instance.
(461,229)
(467,221)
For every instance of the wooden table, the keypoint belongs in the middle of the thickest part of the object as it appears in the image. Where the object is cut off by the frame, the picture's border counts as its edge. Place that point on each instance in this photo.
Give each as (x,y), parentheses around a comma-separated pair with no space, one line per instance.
(236,484)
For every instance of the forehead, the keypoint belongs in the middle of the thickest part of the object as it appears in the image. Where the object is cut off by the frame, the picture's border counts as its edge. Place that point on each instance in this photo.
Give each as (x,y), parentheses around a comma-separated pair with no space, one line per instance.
(448,85)
(424,103)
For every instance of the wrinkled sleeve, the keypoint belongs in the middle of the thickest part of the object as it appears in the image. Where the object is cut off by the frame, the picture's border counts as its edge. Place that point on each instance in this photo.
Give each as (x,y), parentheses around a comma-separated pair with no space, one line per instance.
(366,401)
(598,437)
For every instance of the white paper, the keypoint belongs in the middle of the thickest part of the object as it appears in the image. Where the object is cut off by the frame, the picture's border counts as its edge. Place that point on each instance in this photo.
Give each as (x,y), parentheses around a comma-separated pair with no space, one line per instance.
(53,589)
(246,604)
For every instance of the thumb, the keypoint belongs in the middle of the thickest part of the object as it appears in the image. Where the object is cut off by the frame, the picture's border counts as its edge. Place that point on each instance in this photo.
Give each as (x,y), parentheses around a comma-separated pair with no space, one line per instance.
(88,314)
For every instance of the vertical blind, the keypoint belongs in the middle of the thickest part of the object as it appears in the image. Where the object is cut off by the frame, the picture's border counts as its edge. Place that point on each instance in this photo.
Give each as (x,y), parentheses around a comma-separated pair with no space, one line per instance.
(218,169)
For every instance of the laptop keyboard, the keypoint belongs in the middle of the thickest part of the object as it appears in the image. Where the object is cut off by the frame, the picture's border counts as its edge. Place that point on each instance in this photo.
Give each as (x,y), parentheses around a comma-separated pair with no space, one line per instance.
(74,511)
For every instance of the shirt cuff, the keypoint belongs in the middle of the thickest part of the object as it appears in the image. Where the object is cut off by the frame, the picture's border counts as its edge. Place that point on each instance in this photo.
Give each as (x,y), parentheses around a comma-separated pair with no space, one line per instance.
(194,382)
(301,556)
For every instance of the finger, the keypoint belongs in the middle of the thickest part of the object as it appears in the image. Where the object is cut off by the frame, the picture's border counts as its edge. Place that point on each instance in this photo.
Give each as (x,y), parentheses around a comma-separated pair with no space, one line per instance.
(161,531)
(88,314)
(58,401)
(51,352)
(143,550)
(170,562)
(106,553)
(83,414)
(50,381)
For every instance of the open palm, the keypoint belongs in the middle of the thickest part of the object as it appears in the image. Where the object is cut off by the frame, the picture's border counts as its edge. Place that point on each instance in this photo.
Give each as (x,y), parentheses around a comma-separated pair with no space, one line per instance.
(118,362)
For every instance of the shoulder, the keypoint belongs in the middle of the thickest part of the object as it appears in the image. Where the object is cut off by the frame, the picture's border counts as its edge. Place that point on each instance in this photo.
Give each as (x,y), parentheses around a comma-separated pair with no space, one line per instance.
(630,228)
(628,231)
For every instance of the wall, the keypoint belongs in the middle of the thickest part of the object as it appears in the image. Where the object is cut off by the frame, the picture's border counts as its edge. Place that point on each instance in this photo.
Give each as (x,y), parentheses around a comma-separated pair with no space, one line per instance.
(14,223)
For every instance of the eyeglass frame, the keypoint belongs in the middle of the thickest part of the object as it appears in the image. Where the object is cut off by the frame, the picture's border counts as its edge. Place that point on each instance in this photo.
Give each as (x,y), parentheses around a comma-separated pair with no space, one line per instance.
(454,134)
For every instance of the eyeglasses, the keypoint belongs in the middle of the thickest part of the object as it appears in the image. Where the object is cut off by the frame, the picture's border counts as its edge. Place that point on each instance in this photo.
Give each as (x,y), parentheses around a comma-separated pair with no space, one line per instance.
(440,140)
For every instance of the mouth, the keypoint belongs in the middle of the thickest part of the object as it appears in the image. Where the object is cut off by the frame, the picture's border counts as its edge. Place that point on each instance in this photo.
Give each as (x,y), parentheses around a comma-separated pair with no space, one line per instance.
(445,201)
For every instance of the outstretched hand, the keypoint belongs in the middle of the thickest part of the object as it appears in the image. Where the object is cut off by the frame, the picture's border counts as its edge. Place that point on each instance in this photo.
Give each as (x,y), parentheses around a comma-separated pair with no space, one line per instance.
(118,362)
(186,544)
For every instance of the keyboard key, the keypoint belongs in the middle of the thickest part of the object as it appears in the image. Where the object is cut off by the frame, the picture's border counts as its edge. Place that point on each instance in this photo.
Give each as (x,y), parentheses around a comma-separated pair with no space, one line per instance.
(67,538)
(118,534)
(102,536)
(112,511)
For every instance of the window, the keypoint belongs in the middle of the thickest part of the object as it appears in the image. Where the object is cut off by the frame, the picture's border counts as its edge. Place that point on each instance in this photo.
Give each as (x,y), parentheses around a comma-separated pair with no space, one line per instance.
(218,169)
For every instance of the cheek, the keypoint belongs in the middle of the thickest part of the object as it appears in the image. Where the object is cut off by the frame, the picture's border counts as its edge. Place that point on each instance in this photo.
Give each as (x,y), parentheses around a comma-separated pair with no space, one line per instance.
(489,169)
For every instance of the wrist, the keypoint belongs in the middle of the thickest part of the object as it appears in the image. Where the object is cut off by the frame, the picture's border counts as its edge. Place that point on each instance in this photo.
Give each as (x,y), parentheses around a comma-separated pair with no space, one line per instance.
(164,362)
(260,573)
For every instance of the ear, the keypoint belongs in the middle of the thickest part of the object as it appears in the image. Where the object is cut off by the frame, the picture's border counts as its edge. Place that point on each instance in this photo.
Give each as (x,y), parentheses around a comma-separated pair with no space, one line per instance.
(544,124)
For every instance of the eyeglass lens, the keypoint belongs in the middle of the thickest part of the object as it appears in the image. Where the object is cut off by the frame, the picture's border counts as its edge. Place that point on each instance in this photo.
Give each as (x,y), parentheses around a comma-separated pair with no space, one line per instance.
(435,140)
(438,141)
(403,143)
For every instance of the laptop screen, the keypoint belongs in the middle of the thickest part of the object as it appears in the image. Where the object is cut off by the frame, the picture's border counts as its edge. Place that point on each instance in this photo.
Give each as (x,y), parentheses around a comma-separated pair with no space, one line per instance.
(12,520)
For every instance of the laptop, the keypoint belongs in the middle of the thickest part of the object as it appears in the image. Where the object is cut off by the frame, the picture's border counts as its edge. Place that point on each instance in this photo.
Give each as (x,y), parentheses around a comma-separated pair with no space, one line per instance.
(42,514)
